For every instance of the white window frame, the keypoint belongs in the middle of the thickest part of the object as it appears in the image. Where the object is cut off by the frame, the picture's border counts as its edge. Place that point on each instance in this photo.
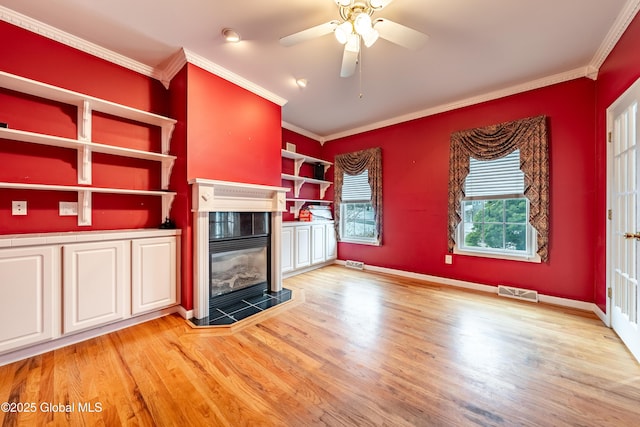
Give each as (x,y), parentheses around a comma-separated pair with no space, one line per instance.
(343,218)
(529,255)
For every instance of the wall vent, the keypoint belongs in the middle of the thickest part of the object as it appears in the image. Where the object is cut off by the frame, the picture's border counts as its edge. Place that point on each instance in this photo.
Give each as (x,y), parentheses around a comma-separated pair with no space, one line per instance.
(517,293)
(358,265)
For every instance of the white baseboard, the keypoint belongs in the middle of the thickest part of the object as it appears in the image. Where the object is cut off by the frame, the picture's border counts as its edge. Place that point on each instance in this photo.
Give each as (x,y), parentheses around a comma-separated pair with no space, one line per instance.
(563,302)
(184,313)
(64,341)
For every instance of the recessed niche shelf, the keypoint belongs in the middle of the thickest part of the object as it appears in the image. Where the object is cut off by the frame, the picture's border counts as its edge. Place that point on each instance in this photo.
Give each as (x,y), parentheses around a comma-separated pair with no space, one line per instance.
(298,181)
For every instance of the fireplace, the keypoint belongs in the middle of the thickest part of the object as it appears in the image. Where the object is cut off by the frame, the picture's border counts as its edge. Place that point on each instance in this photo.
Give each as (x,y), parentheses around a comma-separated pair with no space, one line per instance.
(237,266)
(239,254)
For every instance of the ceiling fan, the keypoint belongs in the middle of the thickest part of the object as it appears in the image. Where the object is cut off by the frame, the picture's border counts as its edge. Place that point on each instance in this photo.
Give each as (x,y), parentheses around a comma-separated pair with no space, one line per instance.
(357,27)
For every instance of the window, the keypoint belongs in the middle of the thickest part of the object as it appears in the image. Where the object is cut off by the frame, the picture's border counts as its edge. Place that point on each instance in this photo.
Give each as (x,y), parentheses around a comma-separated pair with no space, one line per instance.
(495,211)
(357,220)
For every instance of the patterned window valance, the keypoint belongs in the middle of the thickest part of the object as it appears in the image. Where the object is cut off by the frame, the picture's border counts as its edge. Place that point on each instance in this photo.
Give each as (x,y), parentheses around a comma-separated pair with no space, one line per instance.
(492,142)
(354,164)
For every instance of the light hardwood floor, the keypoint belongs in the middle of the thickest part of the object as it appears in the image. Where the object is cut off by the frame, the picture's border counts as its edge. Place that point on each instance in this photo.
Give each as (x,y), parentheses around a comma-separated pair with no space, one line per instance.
(363,349)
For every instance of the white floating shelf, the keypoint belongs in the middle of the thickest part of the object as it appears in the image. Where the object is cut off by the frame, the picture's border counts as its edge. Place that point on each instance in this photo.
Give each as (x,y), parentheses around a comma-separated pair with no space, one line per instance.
(84,196)
(298,181)
(299,159)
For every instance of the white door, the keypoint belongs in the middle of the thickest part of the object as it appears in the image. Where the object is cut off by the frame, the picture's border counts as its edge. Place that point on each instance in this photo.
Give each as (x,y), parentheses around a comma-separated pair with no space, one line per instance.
(625,224)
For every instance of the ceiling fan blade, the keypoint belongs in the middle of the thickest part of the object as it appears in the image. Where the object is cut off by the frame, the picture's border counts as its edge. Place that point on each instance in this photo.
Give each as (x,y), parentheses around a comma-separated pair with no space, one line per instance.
(380,4)
(349,62)
(309,33)
(400,34)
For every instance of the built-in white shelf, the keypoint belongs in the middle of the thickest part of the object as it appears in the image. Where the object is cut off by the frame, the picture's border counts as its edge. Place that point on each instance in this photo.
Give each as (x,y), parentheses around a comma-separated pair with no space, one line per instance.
(84,146)
(57,141)
(299,203)
(298,181)
(84,196)
(299,159)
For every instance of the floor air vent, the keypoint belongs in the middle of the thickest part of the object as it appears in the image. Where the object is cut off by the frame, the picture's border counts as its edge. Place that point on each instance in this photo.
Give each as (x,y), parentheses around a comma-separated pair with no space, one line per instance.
(517,293)
(358,265)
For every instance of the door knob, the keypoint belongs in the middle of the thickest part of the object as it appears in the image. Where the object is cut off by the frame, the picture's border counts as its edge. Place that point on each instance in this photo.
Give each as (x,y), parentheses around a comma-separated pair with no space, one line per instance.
(632,236)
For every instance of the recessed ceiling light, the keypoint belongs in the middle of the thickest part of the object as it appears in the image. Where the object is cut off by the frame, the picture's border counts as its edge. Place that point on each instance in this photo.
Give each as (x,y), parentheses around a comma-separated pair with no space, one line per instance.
(230,35)
(302,83)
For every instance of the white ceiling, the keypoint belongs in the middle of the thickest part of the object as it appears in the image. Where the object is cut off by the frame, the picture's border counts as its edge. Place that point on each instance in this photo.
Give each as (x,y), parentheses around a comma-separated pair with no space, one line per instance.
(477,48)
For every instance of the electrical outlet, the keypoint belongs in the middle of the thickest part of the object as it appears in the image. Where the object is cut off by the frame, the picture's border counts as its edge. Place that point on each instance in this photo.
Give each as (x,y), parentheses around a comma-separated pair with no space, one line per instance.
(18,207)
(448,259)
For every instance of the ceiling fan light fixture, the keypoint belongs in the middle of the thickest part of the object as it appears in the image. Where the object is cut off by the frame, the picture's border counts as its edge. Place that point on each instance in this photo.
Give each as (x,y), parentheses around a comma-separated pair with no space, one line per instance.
(353,44)
(230,35)
(362,23)
(376,4)
(344,3)
(343,31)
(370,37)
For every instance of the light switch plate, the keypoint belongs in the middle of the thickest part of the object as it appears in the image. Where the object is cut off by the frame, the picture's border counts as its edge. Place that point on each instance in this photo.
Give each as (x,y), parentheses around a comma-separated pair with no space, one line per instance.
(18,208)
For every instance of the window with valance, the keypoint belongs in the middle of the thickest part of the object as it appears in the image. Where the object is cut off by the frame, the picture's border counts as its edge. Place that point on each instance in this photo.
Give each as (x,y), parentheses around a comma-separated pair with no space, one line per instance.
(529,137)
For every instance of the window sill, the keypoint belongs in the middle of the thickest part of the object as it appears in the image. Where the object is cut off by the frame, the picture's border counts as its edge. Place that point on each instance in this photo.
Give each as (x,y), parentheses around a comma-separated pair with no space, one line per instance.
(360,242)
(511,257)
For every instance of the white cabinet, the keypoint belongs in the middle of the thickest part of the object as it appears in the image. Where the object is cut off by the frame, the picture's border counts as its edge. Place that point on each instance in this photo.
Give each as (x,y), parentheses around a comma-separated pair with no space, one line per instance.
(307,245)
(96,284)
(317,243)
(153,274)
(331,242)
(29,296)
(287,248)
(302,246)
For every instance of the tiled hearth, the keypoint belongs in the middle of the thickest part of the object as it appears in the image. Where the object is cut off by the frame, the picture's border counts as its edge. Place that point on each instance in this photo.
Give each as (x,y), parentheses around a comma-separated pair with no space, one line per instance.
(244,308)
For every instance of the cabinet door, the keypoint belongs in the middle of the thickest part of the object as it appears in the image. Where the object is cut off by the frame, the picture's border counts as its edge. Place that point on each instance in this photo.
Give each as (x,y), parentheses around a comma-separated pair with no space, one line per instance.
(317,243)
(29,296)
(331,242)
(287,248)
(153,274)
(303,246)
(97,284)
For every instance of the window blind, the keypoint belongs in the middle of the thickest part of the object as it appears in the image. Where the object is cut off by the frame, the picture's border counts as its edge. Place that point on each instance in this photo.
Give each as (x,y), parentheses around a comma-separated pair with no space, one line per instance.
(498,177)
(356,187)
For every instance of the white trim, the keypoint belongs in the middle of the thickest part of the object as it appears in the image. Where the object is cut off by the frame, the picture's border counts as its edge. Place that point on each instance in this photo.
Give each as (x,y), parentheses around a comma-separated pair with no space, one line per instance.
(64,341)
(303,132)
(621,24)
(40,28)
(535,84)
(563,302)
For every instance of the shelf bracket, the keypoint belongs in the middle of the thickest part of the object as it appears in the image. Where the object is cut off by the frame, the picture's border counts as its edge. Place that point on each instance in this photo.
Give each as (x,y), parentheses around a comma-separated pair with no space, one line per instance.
(167,201)
(84,208)
(167,167)
(297,185)
(323,188)
(297,164)
(295,209)
(167,132)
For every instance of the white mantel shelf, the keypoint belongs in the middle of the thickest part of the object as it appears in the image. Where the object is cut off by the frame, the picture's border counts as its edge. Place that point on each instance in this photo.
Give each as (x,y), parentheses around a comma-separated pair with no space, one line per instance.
(224,196)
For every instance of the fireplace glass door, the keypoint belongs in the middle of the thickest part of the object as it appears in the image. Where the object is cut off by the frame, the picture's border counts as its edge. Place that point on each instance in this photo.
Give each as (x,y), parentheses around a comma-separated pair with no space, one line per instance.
(238,269)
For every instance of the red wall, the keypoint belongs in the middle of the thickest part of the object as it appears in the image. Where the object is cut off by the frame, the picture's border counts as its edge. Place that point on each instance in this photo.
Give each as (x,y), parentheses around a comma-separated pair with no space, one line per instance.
(224,133)
(620,70)
(415,164)
(35,57)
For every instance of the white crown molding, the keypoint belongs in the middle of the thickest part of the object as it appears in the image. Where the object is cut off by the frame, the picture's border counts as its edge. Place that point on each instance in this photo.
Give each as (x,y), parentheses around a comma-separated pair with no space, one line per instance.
(535,84)
(219,71)
(303,132)
(40,28)
(620,25)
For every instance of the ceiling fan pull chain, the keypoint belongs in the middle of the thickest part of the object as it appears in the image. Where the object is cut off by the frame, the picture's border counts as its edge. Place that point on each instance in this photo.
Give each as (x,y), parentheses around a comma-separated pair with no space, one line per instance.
(360,72)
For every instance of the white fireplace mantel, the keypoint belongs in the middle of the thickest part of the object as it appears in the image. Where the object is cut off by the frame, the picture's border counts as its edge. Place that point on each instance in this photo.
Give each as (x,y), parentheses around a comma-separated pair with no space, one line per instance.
(223,196)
